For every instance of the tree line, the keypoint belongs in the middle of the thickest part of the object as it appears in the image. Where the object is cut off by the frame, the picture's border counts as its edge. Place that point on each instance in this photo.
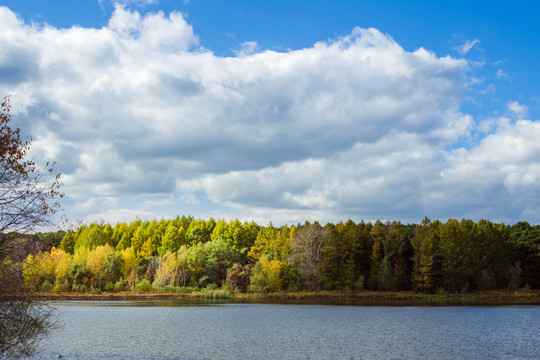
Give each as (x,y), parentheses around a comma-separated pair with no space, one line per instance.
(185,254)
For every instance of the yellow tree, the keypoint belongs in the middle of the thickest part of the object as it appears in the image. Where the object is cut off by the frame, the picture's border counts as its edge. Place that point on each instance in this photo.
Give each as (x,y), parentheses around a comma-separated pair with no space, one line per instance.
(130,261)
(266,275)
(39,270)
(167,271)
(62,263)
(182,263)
(96,260)
(147,248)
(265,243)
(32,271)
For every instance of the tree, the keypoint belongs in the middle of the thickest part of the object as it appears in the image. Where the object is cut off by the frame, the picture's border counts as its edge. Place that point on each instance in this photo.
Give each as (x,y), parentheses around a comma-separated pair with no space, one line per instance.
(68,242)
(524,244)
(28,201)
(198,231)
(264,244)
(387,280)
(96,261)
(398,250)
(208,262)
(427,272)
(129,261)
(172,239)
(377,253)
(167,272)
(307,246)
(238,277)
(266,276)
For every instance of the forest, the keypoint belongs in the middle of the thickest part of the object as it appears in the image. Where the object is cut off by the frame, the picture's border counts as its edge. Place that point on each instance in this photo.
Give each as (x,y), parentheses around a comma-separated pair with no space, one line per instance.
(186,254)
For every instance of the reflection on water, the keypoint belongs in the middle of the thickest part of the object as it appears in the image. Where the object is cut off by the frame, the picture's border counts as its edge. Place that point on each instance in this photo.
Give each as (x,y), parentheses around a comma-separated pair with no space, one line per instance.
(198,329)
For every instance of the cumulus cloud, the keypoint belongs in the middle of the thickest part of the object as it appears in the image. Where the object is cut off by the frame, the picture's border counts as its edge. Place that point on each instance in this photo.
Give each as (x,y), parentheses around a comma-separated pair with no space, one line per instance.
(354,127)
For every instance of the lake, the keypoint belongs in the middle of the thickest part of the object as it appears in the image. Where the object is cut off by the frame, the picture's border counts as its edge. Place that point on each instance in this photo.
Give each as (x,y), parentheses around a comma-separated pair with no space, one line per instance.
(169,329)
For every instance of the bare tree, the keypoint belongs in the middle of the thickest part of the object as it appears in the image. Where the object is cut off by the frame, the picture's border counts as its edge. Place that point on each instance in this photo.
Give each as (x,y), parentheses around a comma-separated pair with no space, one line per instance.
(307,247)
(27,203)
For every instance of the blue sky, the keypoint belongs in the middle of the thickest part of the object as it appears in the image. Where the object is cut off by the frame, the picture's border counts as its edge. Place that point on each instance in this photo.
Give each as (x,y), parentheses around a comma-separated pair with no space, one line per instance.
(281,111)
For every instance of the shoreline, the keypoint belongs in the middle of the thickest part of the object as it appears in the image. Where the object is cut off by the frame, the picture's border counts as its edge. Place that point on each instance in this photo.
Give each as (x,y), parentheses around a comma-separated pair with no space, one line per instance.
(323,297)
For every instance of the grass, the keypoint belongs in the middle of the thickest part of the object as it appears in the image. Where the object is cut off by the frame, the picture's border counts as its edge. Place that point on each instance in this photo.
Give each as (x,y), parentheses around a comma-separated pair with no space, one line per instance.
(364,297)
(215,294)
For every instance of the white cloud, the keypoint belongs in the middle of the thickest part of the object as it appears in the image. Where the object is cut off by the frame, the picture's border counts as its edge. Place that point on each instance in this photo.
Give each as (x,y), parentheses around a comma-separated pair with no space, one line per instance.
(138,3)
(467,46)
(502,75)
(500,177)
(247,48)
(117,215)
(517,109)
(355,127)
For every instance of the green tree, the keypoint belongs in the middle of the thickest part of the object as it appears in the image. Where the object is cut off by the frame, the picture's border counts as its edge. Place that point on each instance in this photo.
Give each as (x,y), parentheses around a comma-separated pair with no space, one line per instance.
(172,239)
(386,279)
(127,235)
(93,235)
(427,272)
(377,253)
(118,232)
(197,232)
(208,262)
(514,277)
(113,270)
(138,240)
(399,251)
(523,241)
(68,242)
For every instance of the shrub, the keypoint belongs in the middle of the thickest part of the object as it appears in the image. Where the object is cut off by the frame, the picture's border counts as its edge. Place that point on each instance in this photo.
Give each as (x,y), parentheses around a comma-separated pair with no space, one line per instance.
(79,288)
(441,290)
(238,277)
(120,285)
(360,283)
(486,280)
(144,286)
(46,286)
(212,292)
(514,275)
(188,289)
(203,281)
(61,286)
(211,286)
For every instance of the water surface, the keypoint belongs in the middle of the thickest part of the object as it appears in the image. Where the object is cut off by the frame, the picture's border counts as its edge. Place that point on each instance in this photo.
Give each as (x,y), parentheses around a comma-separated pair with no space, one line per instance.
(170,329)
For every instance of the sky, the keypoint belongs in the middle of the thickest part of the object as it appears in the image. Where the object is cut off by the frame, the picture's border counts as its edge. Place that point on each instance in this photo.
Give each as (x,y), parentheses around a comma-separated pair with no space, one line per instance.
(280,111)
